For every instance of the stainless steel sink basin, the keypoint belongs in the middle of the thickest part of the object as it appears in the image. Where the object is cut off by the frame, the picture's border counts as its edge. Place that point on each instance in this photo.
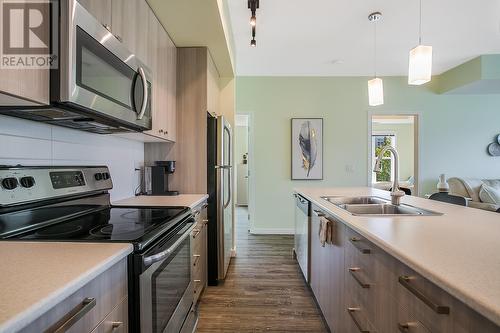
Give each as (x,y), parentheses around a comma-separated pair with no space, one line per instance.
(355,200)
(375,206)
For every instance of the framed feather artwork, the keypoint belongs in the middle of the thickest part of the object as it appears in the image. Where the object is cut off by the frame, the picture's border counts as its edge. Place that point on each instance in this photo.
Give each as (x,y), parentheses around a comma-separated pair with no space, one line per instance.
(307,148)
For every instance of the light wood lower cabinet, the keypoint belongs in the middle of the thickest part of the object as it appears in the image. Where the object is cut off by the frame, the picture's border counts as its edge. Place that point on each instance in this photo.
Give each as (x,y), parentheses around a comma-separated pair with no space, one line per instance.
(99,306)
(375,292)
(116,321)
(199,251)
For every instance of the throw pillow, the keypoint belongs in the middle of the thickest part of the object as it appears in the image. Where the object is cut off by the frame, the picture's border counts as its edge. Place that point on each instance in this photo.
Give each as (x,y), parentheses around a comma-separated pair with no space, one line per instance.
(490,194)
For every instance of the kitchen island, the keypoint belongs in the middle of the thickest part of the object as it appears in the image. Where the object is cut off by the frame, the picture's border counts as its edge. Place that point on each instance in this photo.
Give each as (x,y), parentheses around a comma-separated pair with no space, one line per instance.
(40,277)
(456,255)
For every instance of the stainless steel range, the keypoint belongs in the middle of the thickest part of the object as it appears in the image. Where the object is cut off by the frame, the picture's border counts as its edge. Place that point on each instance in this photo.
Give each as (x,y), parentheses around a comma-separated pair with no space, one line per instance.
(72,204)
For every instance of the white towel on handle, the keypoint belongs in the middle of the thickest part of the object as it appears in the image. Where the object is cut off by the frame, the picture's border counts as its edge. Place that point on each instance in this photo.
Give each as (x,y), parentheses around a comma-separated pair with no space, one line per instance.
(325,231)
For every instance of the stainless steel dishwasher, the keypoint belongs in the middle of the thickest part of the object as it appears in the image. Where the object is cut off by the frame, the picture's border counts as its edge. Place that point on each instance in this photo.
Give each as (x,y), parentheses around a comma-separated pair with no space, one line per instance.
(302,233)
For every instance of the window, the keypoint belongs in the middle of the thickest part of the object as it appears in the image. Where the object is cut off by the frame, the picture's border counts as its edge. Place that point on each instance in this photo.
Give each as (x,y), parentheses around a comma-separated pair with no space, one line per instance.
(379,141)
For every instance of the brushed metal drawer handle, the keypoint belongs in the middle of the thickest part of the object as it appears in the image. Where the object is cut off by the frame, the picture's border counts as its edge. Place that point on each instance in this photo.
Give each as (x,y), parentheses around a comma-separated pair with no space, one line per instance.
(355,241)
(404,280)
(405,328)
(356,322)
(196,259)
(205,221)
(318,213)
(116,324)
(73,316)
(196,232)
(197,281)
(353,271)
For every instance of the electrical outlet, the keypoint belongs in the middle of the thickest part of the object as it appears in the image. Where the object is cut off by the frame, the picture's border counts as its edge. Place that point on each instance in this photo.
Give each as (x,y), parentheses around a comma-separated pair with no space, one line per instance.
(349,168)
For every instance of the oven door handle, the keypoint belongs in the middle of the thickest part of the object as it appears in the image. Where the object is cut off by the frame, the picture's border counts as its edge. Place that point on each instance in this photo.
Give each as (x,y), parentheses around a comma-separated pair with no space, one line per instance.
(148,261)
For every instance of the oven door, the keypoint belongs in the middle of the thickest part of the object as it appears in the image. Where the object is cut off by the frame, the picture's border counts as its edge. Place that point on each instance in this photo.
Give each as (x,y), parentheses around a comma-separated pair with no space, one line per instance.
(99,74)
(166,290)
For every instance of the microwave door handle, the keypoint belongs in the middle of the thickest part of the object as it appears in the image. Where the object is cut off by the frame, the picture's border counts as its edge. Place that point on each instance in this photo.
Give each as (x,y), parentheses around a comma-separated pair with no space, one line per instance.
(148,261)
(145,93)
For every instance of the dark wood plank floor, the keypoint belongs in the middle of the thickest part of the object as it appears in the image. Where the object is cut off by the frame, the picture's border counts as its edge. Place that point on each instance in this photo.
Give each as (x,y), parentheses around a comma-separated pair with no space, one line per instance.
(263,292)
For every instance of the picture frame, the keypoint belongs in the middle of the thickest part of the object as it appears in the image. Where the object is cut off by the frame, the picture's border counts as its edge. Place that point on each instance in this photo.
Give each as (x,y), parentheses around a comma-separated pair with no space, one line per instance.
(307,148)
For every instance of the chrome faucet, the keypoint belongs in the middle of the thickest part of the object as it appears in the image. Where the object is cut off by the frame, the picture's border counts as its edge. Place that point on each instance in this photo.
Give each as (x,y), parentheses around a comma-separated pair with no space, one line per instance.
(396,193)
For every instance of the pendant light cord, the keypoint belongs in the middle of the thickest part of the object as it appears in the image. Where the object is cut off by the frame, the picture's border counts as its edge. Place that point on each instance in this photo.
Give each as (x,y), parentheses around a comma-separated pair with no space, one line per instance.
(375,49)
(420,25)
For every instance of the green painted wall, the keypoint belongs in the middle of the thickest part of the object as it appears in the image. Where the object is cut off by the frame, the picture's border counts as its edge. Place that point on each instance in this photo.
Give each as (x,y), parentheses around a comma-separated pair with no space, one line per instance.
(404,144)
(455,131)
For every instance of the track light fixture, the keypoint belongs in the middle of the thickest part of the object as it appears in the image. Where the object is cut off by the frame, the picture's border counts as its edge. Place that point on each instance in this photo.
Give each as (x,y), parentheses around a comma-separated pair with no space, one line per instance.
(253,5)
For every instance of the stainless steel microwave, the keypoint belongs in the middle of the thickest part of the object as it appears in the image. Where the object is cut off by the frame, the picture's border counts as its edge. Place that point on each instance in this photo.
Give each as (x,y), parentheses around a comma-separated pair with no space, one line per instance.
(98,73)
(98,85)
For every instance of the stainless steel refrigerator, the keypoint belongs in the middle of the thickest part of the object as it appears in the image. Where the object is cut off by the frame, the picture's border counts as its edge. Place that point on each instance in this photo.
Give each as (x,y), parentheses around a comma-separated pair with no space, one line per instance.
(220,202)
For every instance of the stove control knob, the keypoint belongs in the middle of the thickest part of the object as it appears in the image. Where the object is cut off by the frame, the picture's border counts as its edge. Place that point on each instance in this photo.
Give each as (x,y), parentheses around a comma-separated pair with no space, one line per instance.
(27,182)
(105,175)
(98,176)
(9,183)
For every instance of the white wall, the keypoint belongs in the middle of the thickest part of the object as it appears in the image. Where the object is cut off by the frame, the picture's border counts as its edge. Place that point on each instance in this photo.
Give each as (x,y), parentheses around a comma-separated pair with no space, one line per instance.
(31,143)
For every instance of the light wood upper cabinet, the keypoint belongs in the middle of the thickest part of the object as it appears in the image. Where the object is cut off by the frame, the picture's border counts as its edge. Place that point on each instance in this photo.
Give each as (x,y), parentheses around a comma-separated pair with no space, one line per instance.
(128,19)
(141,32)
(162,56)
(100,9)
(193,99)
(171,90)
(212,87)
(23,86)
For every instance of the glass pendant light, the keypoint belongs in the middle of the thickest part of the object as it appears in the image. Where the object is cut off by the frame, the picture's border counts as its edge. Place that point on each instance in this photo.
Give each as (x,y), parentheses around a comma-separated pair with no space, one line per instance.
(375,92)
(375,85)
(420,63)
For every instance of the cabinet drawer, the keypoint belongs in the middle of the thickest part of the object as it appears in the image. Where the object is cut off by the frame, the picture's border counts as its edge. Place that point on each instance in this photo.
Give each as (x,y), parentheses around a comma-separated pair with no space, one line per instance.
(197,240)
(407,322)
(116,321)
(368,275)
(429,304)
(357,319)
(198,286)
(106,290)
(200,214)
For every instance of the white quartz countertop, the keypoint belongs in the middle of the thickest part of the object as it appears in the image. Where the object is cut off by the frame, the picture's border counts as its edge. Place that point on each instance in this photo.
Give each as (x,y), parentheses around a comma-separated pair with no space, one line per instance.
(36,276)
(181,200)
(458,251)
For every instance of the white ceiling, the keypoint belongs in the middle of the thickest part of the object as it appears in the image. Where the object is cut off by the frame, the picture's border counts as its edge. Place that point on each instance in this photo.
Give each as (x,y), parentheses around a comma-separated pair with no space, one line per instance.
(335,38)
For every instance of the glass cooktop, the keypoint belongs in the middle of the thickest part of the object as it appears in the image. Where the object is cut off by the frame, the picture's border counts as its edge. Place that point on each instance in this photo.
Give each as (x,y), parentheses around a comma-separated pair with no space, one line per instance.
(127,224)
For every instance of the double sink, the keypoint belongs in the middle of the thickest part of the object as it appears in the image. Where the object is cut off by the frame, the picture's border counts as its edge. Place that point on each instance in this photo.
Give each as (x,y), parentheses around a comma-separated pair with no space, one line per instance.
(376,206)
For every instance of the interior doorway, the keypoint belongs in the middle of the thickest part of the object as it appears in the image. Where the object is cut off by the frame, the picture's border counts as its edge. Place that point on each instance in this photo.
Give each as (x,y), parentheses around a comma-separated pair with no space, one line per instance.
(400,132)
(242,174)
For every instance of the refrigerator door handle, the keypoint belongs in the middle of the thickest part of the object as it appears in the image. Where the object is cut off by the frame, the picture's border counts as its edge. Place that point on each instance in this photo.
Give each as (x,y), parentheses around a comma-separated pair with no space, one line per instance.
(229,194)
(230,161)
(223,166)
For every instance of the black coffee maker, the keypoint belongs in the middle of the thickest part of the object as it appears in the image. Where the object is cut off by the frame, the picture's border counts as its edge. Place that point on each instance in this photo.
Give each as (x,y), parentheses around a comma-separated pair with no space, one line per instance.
(156,178)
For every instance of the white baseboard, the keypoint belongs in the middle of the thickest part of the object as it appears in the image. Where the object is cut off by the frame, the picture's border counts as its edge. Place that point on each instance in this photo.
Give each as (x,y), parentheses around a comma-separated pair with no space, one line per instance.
(275,231)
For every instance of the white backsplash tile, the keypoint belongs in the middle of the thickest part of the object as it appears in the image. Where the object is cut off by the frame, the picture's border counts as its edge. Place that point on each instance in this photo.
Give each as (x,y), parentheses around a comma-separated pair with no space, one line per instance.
(31,143)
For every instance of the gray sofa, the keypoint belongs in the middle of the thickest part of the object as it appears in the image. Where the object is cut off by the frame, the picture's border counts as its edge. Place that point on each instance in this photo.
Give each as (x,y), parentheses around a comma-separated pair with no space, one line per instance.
(470,188)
